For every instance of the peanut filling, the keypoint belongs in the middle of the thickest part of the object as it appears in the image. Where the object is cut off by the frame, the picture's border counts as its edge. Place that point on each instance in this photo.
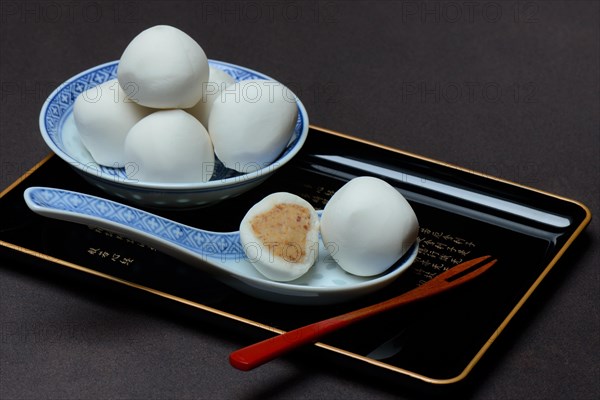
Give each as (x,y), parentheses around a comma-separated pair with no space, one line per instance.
(283,231)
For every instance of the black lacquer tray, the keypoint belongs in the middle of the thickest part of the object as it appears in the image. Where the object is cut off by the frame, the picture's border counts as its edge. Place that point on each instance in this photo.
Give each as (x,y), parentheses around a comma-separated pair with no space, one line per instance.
(462,215)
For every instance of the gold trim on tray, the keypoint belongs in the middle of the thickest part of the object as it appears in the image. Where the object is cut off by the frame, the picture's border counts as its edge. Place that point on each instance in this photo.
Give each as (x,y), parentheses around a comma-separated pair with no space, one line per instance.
(368,360)
(26,174)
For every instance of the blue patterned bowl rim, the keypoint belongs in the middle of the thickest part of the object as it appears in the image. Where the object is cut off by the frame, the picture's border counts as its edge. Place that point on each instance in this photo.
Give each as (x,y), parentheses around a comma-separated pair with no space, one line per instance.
(59,105)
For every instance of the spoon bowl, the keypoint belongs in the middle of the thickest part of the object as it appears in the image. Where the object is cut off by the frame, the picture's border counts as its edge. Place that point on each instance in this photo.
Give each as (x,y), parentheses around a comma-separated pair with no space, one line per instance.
(217,253)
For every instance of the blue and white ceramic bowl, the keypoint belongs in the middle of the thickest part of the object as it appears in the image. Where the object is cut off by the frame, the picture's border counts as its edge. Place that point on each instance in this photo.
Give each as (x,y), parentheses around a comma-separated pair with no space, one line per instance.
(58,130)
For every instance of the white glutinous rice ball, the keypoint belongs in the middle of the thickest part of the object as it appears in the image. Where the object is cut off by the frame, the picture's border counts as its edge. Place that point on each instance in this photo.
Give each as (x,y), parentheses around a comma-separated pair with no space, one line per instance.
(368,225)
(163,67)
(251,122)
(103,116)
(217,81)
(280,236)
(169,146)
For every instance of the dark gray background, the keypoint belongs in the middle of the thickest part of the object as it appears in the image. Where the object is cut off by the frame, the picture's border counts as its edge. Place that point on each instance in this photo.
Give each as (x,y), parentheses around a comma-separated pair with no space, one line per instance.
(508,88)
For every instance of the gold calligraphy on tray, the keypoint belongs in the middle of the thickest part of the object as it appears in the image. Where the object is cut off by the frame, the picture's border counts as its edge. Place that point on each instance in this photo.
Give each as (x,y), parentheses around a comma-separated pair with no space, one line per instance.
(119,237)
(114,257)
(111,255)
(438,252)
(318,196)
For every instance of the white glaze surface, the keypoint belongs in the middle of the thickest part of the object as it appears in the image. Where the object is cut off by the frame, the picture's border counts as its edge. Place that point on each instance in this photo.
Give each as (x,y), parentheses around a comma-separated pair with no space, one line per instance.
(103,116)
(163,67)
(250,123)
(169,146)
(217,81)
(369,225)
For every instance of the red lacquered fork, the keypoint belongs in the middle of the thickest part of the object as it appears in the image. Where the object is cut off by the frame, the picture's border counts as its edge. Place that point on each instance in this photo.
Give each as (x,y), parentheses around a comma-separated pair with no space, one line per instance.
(259,353)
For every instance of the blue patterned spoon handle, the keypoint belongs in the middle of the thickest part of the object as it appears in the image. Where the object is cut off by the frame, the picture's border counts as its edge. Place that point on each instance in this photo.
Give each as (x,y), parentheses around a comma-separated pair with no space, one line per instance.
(132,222)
